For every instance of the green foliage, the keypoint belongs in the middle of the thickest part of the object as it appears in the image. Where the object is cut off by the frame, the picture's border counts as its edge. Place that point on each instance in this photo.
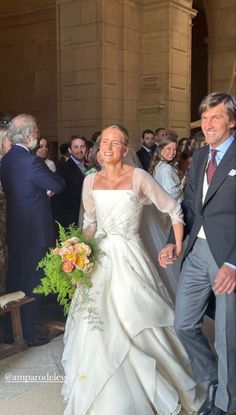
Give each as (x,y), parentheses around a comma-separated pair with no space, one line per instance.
(56,280)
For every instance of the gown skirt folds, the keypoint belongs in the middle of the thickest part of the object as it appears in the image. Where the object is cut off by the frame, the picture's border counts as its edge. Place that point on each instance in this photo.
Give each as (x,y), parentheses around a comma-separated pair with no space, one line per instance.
(133,364)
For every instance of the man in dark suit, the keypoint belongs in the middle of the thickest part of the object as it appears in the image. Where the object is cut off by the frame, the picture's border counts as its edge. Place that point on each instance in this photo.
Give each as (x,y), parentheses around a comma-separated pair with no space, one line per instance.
(27,182)
(66,205)
(145,152)
(210,259)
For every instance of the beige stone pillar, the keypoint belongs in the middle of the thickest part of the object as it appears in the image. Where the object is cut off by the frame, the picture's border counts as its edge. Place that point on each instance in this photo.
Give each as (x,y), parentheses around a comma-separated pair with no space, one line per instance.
(99,64)
(165,85)
(222,45)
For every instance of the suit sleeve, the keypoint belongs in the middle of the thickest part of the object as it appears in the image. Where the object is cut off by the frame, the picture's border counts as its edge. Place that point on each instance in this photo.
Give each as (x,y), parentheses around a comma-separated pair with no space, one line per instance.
(45,178)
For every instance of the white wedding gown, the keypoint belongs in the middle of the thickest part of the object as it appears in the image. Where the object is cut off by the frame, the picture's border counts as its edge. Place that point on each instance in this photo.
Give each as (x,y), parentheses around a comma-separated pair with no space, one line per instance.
(134,364)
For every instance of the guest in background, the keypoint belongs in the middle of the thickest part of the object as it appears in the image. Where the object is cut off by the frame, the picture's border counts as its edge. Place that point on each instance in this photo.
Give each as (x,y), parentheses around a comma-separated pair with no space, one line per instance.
(25,180)
(145,152)
(184,164)
(95,136)
(42,150)
(64,154)
(182,145)
(160,133)
(199,140)
(66,205)
(163,170)
(89,146)
(94,162)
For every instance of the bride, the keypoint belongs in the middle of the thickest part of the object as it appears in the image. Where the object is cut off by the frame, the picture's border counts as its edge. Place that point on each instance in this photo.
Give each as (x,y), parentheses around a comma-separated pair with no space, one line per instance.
(134,364)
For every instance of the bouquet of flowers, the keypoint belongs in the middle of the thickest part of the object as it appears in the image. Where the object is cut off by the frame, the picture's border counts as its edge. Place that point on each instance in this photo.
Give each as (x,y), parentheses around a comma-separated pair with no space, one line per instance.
(69,265)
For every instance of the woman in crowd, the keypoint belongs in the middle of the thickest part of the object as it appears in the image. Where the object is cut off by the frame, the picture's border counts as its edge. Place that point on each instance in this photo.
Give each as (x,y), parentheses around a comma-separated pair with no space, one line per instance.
(42,150)
(163,169)
(5,146)
(184,164)
(134,364)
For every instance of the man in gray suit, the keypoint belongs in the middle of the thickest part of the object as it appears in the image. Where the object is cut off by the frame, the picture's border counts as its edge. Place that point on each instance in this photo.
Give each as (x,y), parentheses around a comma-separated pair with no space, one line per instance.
(210,258)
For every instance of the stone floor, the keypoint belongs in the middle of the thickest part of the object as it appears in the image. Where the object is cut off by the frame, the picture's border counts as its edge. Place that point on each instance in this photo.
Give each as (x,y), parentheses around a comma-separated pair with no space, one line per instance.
(31,381)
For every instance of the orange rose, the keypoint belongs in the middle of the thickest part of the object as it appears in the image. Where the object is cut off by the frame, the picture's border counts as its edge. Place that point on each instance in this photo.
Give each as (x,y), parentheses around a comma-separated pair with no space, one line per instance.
(67,266)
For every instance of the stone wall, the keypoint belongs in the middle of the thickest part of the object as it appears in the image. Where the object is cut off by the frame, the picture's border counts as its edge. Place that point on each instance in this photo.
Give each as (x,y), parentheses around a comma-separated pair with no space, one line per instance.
(28,68)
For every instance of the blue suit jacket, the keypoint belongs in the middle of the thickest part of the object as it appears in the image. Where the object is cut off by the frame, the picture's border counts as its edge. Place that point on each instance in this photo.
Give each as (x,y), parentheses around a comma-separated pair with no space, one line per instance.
(25,180)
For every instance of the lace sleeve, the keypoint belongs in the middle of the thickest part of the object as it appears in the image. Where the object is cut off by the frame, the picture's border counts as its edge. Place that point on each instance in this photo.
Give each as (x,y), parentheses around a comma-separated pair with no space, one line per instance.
(148,191)
(89,219)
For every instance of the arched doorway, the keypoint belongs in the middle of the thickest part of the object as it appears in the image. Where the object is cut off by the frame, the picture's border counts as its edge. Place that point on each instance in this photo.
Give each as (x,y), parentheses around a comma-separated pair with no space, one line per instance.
(199,70)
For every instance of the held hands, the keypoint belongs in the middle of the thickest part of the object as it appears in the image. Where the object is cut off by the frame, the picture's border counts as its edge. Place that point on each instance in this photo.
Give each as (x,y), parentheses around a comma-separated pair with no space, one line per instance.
(225,282)
(169,254)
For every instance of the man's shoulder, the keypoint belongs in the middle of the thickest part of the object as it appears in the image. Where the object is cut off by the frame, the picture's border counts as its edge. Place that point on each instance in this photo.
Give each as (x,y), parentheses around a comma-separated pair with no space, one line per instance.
(143,152)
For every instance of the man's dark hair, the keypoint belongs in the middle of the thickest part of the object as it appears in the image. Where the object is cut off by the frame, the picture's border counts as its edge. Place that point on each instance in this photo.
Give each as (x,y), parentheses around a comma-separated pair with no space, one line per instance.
(95,136)
(74,137)
(147,131)
(63,148)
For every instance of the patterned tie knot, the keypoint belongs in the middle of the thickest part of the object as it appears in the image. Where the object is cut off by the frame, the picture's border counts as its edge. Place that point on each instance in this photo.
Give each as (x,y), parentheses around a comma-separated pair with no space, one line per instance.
(213,153)
(212,166)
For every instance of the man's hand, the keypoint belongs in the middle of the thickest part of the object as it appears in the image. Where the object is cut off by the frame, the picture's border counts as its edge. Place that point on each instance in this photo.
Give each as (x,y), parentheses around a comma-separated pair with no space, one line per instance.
(167,255)
(225,282)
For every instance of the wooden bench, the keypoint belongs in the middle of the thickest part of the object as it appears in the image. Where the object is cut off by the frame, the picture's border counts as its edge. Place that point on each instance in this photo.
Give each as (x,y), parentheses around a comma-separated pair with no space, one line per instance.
(14,309)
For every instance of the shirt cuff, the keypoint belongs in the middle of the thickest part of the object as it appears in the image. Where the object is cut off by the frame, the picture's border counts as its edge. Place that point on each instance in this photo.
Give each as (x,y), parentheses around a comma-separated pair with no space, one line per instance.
(230,265)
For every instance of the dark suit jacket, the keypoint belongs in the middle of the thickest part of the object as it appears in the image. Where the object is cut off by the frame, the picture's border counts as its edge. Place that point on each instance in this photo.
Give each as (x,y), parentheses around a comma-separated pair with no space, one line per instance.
(144,157)
(217,214)
(66,205)
(25,180)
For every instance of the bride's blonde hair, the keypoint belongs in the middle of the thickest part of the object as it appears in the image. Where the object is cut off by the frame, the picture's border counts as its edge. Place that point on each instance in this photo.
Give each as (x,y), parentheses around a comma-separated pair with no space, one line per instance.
(122,130)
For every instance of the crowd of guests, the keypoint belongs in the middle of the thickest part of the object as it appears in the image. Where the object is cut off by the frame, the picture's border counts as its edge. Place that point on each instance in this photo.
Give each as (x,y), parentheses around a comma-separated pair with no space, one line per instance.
(36,192)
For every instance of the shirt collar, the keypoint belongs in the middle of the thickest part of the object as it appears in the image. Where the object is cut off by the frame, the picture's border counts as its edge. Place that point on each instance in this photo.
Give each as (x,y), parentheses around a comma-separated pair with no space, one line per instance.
(222,148)
(78,163)
(149,150)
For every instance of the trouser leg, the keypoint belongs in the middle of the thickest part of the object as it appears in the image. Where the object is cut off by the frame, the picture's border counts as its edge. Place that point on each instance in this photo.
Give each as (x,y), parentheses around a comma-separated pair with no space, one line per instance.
(197,277)
(23,275)
(191,302)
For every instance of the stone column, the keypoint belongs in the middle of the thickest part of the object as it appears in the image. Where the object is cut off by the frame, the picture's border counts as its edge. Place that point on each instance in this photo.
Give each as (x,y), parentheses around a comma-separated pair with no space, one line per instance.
(99,62)
(222,46)
(166,84)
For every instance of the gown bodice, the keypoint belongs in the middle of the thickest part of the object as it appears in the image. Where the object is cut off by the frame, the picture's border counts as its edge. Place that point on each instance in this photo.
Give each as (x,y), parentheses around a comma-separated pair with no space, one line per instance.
(118,212)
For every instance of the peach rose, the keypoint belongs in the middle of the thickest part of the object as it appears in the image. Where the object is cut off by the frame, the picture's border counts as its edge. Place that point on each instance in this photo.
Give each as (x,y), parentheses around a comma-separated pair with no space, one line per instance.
(67,266)
(83,249)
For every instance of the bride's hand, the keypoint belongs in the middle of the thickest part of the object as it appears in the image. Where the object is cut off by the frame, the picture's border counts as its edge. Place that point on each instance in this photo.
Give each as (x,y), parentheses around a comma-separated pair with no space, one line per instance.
(167,255)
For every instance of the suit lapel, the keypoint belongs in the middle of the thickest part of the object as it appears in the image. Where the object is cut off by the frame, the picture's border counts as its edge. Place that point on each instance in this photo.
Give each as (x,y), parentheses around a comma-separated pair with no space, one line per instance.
(222,171)
(200,168)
